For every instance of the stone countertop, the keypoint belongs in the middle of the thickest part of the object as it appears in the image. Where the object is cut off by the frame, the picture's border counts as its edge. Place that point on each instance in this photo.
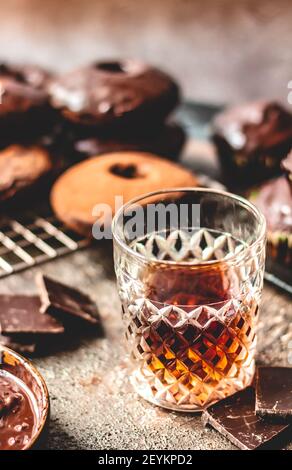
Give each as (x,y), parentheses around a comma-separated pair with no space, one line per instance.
(92,403)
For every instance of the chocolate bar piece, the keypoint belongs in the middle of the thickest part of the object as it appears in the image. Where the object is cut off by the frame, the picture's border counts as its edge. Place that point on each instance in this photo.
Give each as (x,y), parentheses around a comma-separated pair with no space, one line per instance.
(274,392)
(65,302)
(19,345)
(20,314)
(235,418)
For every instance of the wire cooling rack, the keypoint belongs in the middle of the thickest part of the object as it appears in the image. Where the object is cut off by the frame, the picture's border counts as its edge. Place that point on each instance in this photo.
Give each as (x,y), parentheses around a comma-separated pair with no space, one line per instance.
(33,238)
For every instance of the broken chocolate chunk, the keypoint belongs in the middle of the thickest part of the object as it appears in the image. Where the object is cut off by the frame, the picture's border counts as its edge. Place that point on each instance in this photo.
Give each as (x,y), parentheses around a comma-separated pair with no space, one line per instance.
(20,314)
(20,345)
(274,392)
(235,418)
(64,302)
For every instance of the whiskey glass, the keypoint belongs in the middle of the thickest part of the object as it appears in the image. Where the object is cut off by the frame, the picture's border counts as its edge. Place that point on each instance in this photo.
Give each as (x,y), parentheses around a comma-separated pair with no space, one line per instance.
(190,275)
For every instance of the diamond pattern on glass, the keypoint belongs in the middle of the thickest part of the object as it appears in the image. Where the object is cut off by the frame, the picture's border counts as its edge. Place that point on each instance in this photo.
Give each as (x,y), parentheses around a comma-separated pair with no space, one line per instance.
(188,353)
(179,245)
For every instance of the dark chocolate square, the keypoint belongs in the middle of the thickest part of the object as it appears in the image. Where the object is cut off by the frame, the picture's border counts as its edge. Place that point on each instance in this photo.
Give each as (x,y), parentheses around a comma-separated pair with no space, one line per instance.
(19,344)
(274,392)
(235,418)
(66,302)
(20,315)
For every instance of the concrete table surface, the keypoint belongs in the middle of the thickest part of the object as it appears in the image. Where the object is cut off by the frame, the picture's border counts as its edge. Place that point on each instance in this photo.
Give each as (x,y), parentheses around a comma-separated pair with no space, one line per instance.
(92,403)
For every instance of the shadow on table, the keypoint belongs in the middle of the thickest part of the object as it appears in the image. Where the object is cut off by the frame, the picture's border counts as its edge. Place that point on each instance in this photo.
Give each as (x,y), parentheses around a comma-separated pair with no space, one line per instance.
(59,439)
(68,341)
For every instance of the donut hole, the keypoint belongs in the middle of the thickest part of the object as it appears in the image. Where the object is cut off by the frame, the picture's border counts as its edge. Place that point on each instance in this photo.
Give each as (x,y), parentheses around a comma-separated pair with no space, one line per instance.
(112,67)
(128,171)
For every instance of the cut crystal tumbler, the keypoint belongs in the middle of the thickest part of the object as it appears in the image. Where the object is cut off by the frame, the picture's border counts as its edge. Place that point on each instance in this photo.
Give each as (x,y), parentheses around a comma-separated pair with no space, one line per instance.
(189,266)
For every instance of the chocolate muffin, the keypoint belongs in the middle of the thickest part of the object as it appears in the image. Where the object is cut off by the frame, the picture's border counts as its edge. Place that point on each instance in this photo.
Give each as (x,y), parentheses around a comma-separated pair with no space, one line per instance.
(286,165)
(115,93)
(274,199)
(166,141)
(252,139)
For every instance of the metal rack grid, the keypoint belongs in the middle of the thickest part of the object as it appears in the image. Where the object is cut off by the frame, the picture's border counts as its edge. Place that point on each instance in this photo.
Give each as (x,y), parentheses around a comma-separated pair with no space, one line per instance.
(30,239)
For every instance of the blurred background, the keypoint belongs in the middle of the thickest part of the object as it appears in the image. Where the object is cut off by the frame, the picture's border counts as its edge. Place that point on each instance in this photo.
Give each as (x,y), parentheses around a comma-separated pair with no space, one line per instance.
(219,50)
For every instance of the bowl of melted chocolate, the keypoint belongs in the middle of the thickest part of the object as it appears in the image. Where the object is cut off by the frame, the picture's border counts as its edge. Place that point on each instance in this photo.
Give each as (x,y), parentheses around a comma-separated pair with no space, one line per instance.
(24,403)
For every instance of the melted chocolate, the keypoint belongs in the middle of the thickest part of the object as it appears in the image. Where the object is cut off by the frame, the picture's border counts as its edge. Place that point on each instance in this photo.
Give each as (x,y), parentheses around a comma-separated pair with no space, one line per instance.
(17,413)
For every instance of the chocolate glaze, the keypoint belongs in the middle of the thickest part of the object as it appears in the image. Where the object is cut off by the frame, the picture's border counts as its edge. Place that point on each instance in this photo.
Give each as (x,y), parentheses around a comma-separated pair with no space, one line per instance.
(252,140)
(25,112)
(17,413)
(22,88)
(111,92)
(253,126)
(274,199)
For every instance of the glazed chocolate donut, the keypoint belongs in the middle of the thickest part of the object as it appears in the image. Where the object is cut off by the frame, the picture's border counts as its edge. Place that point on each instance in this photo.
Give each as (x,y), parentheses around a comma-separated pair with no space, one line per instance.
(100,179)
(167,141)
(23,99)
(114,93)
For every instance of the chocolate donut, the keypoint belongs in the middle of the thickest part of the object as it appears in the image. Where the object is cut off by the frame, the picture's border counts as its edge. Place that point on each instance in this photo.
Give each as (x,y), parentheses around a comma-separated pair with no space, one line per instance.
(114,93)
(24,100)
(100,179)
(252,139)
(21,168)
(167,141)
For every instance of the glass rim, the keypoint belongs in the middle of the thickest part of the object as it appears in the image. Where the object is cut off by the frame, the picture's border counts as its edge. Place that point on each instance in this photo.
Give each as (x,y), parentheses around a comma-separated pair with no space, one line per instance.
(236,256)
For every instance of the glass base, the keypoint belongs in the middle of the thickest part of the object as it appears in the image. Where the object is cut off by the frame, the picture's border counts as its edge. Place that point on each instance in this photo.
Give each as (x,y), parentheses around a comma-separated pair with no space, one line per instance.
(193,400)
